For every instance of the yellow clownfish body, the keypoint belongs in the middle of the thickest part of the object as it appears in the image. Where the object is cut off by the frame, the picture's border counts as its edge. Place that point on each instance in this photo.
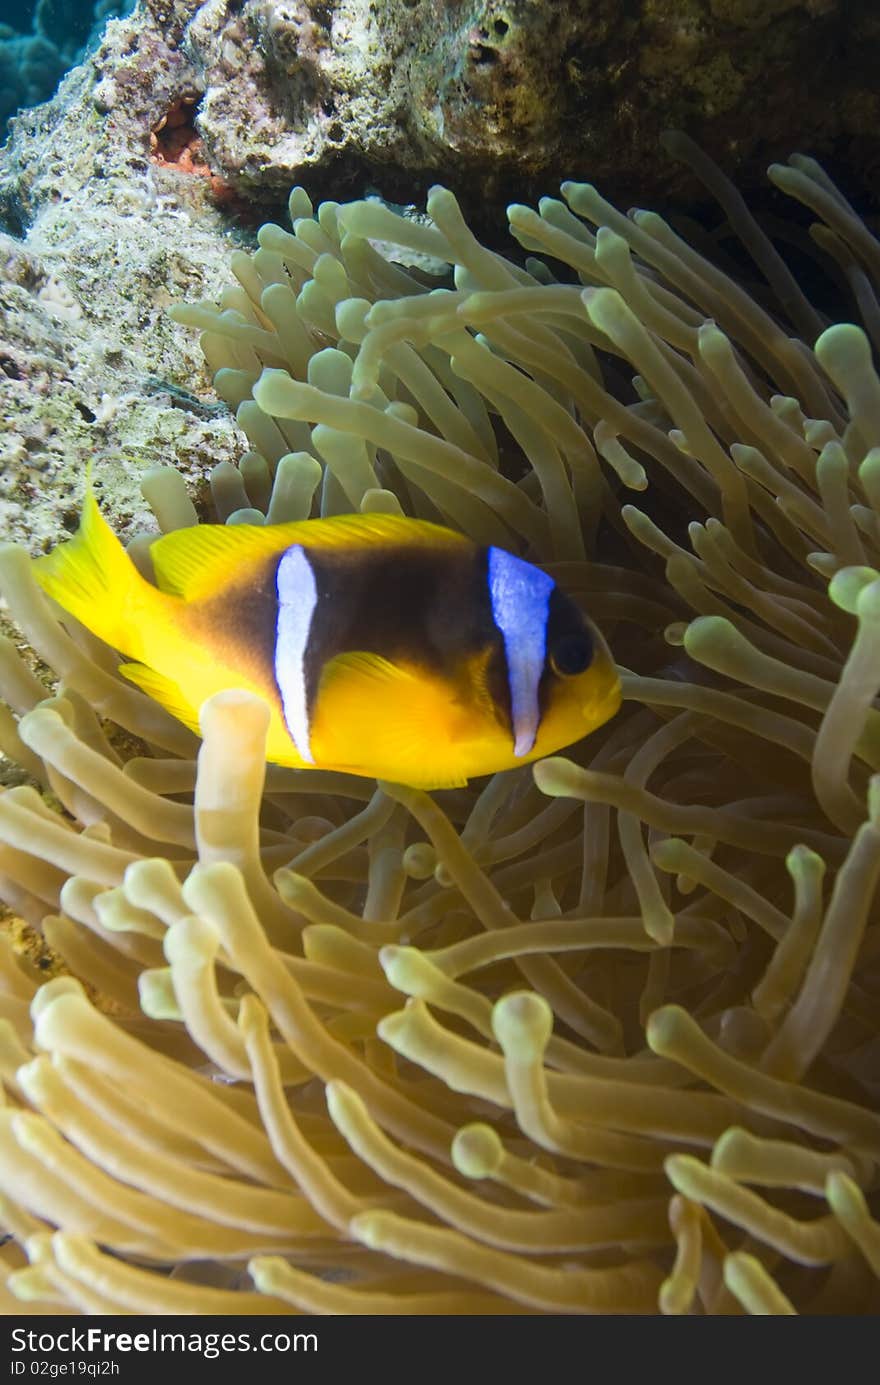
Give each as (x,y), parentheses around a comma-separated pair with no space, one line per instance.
(384,646)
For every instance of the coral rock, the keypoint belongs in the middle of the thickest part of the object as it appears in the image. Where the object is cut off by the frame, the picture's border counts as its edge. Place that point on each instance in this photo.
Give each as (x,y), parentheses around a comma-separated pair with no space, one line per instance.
(491,90)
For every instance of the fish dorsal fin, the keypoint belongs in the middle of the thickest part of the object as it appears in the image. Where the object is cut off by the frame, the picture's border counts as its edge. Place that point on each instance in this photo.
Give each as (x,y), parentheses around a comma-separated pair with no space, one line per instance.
(403,716)
(198,560)
(374,529)
(195,561)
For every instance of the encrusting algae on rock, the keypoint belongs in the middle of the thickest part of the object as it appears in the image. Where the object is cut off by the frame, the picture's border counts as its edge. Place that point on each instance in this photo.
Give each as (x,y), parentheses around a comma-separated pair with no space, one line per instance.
(599,1035)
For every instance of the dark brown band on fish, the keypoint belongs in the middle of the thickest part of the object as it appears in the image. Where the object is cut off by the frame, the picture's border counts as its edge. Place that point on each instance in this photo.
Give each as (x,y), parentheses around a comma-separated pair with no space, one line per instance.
(414,606)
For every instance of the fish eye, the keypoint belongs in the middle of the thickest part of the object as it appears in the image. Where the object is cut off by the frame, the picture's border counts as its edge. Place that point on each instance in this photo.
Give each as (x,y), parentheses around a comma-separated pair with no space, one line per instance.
(572,654)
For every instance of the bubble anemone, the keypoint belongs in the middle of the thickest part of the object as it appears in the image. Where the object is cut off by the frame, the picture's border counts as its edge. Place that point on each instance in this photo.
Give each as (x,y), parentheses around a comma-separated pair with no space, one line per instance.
(596,1037)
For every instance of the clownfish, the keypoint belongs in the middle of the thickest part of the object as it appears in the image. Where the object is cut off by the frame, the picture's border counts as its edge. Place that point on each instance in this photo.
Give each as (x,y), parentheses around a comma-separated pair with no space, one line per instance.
(384,646)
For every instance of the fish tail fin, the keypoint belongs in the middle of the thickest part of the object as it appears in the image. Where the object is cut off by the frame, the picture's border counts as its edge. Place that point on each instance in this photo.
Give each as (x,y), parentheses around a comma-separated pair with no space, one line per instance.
(93,578)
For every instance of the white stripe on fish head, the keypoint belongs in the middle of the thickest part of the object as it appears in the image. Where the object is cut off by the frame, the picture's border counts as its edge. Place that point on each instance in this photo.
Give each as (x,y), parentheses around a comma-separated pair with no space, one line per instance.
(520,597)
(297,599)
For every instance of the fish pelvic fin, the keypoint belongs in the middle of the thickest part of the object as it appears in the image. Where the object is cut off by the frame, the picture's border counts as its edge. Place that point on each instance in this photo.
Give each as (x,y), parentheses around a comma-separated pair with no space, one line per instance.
(93,578)
(165,691)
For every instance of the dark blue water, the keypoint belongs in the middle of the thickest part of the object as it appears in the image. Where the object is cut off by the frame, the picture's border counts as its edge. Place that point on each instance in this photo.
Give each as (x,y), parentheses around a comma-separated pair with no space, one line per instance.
(40,40)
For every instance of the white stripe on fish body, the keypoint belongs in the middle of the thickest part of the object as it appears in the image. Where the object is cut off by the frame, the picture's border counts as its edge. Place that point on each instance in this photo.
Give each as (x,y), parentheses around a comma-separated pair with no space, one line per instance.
(520,597)
(297,599)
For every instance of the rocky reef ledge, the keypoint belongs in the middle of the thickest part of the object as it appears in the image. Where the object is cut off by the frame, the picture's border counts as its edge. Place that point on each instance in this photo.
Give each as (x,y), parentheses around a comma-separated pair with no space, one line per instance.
(187,124)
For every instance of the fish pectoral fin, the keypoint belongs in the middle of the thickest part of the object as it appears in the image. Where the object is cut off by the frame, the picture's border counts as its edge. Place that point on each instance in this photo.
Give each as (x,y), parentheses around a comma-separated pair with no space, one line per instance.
(374,716)
(368,668)
(164,691)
